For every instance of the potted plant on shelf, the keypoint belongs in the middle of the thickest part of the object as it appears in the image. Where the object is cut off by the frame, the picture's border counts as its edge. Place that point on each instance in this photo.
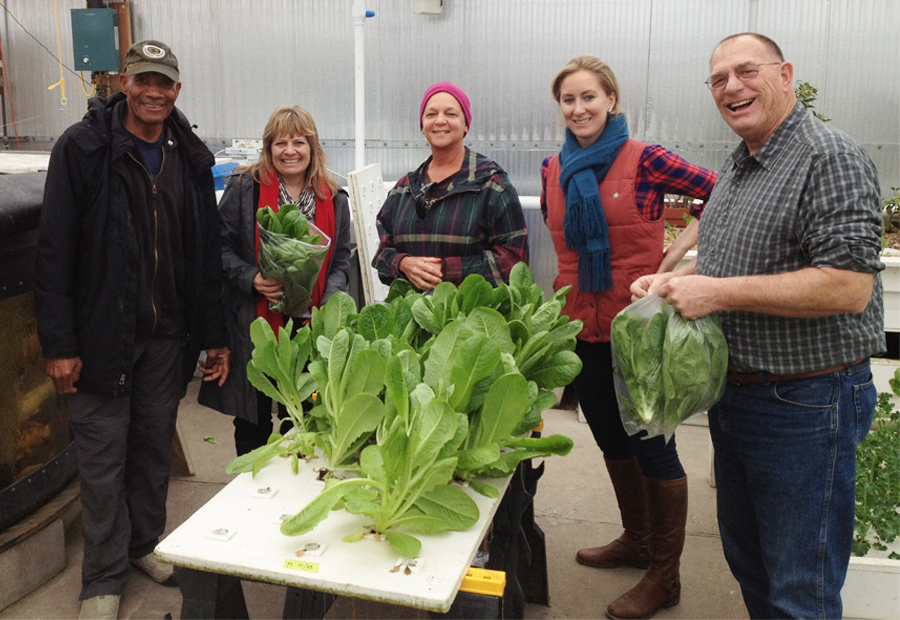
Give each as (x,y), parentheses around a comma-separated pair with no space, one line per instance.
(677,210)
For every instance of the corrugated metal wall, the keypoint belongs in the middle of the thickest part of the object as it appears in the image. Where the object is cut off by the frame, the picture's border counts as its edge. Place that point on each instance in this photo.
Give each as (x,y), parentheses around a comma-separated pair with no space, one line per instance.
(242,58)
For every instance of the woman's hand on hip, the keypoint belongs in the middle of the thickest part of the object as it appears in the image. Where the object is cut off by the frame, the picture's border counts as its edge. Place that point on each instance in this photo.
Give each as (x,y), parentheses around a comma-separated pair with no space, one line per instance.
(423,271)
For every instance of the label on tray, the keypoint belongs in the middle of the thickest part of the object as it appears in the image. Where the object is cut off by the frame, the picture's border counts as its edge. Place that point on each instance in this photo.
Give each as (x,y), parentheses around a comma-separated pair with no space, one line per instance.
(301,565)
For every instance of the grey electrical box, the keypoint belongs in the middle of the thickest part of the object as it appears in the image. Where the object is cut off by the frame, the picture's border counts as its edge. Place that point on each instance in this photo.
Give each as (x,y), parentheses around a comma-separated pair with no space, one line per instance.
(95,39)
(428,7)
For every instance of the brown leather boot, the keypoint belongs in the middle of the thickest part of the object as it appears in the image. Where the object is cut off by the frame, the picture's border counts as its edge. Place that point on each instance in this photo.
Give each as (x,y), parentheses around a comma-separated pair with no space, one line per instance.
(661,586)
(632,547)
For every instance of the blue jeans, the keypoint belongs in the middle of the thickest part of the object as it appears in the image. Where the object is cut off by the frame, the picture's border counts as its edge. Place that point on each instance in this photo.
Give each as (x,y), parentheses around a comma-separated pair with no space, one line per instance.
(785,465)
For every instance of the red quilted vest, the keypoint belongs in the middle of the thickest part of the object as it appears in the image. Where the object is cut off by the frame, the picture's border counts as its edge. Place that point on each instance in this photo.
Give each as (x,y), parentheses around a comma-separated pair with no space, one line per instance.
(636,245)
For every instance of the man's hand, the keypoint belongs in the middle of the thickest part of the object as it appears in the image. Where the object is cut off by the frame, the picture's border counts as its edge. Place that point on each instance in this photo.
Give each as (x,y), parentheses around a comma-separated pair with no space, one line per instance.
(65,372)
(216,365)
(692,296)
(645,285)
(270,289)
(423,271)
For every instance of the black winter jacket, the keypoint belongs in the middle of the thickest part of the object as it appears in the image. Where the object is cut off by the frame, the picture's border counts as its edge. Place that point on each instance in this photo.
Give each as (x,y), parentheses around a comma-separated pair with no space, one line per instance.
(87,258)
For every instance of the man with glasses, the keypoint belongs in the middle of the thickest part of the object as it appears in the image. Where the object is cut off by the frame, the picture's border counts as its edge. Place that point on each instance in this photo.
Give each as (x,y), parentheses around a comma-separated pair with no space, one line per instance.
(789,259)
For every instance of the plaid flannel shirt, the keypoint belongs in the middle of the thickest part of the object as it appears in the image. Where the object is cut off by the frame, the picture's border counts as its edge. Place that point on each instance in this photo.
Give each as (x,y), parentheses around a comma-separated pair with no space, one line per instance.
(808,198)
(662,172)
(477,226)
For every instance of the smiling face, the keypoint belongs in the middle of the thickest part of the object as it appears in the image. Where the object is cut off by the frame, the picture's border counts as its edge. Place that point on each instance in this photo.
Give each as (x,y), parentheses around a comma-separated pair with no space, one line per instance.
(754,108)
(584,105)
(151,98)
(290,156)
(443,122)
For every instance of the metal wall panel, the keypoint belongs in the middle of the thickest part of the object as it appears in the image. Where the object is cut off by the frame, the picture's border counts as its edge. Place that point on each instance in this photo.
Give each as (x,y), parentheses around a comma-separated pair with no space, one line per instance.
(242,58)
(675,96)
(849,50)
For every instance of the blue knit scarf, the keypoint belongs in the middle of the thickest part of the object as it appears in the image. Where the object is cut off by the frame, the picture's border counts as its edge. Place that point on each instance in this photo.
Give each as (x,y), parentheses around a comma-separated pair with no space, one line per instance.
(585,224)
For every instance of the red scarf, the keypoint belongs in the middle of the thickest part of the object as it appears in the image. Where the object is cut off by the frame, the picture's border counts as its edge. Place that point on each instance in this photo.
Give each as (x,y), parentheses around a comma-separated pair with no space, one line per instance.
(324,219)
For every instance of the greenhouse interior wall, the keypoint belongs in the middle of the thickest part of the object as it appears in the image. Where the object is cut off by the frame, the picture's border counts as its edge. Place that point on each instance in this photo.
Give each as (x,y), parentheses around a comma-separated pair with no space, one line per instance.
(240,59)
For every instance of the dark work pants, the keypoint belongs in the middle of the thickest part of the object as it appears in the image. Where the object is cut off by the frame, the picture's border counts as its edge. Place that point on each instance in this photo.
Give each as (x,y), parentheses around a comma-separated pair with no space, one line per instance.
(124,448)
(596,393)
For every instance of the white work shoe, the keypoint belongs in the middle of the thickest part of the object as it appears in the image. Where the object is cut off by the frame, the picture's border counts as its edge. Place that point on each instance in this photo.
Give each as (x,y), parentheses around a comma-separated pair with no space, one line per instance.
(157,571)
(103,607)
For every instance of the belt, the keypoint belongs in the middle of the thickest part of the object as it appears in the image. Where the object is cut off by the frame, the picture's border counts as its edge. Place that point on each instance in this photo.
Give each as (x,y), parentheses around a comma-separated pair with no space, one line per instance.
(743,378)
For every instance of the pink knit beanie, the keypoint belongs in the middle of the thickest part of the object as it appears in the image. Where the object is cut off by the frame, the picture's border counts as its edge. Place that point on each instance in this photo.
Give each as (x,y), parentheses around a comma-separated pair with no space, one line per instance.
(453,89)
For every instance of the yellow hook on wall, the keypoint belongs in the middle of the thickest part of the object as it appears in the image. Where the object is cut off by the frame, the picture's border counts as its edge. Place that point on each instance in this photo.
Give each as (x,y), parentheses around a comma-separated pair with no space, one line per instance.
(62,79)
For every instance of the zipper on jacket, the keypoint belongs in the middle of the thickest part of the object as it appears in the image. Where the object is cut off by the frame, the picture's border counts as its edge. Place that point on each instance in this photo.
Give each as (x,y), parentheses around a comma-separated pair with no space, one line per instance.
(155,235)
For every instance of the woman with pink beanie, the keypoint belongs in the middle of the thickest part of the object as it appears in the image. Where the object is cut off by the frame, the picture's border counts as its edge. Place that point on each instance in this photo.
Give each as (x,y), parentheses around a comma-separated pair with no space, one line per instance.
(456,214)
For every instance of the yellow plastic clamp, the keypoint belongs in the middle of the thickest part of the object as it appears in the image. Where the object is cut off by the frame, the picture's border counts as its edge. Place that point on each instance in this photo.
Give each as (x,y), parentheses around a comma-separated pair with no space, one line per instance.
(483,581)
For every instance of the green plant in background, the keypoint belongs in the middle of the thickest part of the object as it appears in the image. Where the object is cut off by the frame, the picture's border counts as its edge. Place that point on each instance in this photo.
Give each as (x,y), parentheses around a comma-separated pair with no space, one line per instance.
(806,94)
(677,201)
(890,209)
(878,479)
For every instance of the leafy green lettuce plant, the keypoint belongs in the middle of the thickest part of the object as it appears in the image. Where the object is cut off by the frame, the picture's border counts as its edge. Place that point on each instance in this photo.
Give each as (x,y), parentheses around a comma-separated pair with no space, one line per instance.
(471,364)
(667,367)
(638,346)
(291,254)
(276,369)
(351,377)
(435,382)
(405,484)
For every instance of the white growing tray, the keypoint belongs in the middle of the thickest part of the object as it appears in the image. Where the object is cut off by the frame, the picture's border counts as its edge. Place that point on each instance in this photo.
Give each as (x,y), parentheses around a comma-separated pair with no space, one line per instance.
(237,533)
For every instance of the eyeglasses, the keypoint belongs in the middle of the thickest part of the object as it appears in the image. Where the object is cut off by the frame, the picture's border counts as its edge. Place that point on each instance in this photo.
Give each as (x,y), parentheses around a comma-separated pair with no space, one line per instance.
(718,81)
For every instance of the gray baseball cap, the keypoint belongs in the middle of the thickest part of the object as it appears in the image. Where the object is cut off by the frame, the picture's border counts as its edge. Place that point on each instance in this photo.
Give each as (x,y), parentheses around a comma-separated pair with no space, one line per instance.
(154,56)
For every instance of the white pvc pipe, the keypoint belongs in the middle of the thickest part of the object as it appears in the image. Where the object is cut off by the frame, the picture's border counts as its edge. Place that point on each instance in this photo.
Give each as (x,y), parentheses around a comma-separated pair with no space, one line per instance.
(359,72)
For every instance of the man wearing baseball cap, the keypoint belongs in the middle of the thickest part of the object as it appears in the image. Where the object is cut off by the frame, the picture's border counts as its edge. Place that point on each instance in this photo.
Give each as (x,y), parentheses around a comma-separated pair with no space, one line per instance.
(127,285)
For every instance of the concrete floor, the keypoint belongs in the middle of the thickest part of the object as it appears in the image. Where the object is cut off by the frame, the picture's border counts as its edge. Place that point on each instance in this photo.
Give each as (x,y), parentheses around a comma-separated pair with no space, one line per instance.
(575,507)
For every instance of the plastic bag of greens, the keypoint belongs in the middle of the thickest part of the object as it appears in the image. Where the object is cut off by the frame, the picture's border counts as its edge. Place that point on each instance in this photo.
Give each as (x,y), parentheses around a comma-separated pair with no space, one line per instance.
(666,368)
(292,251)
(638,333)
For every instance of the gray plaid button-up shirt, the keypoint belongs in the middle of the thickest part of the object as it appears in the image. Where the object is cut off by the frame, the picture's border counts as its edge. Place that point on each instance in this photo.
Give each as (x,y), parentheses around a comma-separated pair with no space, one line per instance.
(808,198)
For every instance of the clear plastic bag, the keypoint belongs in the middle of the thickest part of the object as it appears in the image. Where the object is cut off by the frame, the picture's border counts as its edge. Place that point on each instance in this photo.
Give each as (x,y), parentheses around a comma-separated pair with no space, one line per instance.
(666,368)
(293,263)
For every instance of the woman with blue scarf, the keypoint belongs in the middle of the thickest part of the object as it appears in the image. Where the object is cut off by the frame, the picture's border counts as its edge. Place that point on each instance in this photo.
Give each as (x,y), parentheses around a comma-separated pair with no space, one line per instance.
(602,200)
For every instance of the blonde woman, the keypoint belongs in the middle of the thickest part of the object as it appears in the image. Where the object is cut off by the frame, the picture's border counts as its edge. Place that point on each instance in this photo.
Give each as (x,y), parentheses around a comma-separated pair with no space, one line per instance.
(291,169)
(602,200)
